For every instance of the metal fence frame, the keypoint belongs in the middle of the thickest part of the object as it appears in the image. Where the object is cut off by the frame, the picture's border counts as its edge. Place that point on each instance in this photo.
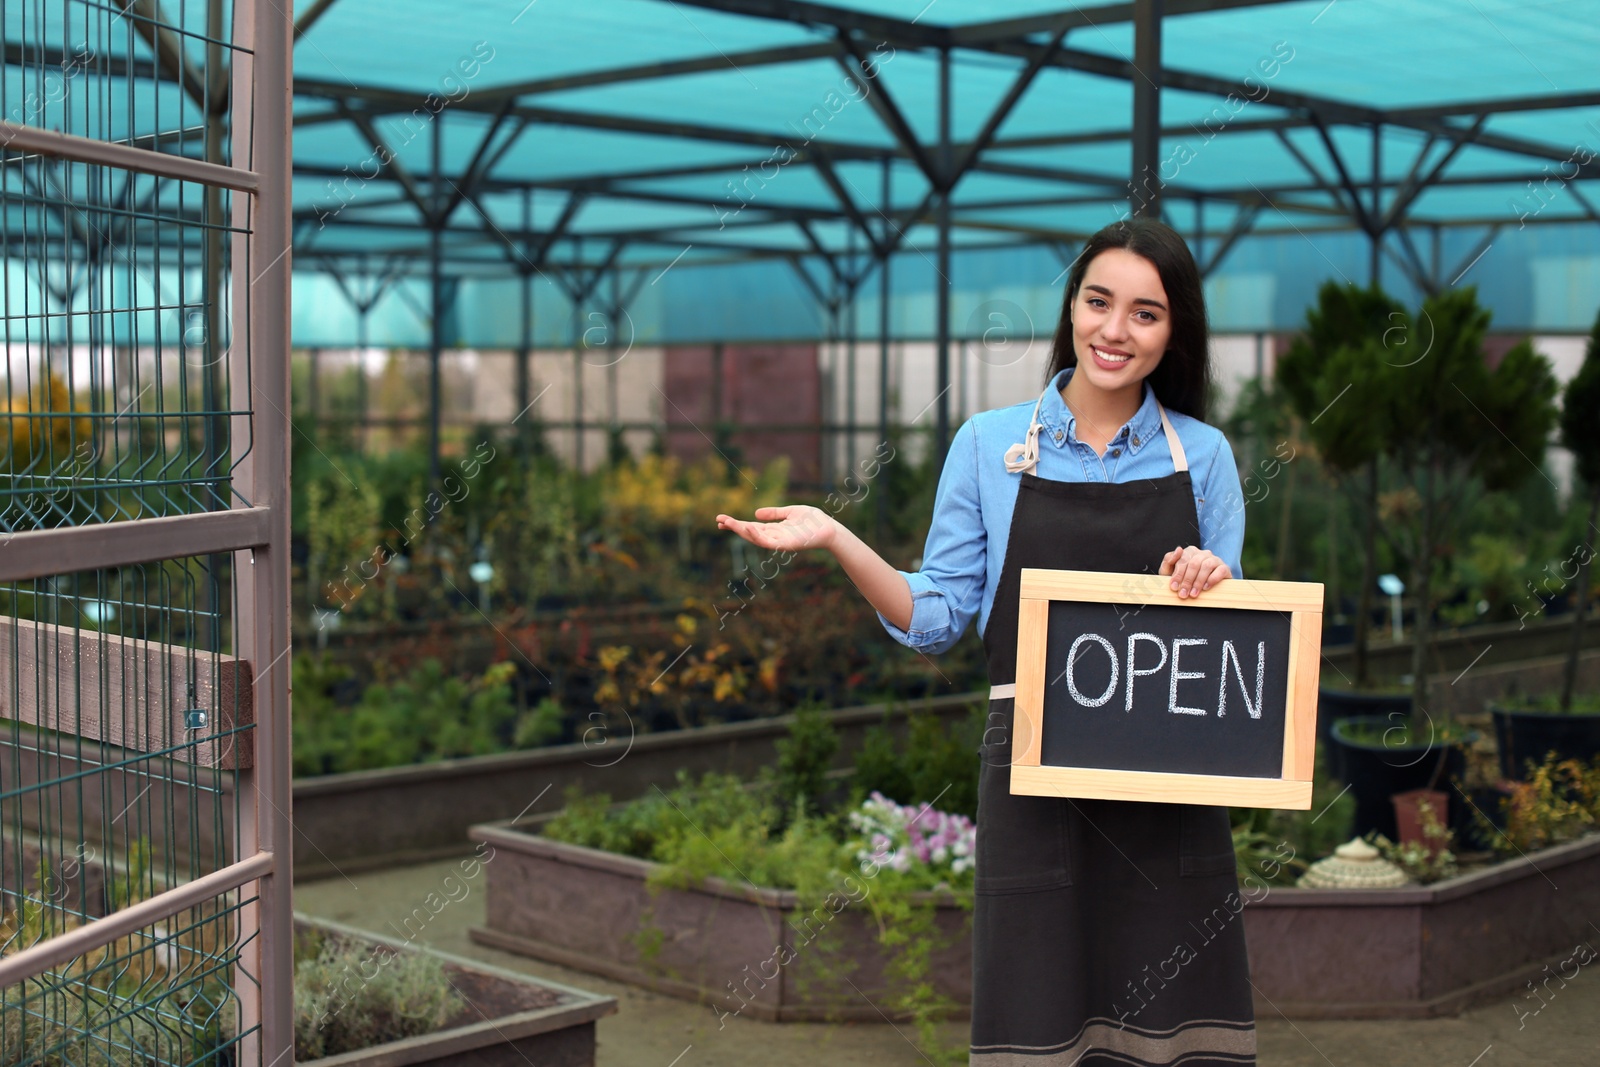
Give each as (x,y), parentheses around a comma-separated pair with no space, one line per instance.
(257,534)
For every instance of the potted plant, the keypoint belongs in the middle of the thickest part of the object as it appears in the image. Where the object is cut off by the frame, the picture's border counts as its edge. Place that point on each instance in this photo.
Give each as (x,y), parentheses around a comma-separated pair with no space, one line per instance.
(1383,756)
(1526,730)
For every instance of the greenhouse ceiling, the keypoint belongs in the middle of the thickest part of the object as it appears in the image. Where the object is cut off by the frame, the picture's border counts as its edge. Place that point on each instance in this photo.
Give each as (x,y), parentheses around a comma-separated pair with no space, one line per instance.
(587,147)
(636,129)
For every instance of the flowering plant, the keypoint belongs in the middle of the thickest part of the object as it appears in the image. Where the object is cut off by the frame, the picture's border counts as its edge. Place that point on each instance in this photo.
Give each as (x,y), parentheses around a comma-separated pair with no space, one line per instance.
(900,837)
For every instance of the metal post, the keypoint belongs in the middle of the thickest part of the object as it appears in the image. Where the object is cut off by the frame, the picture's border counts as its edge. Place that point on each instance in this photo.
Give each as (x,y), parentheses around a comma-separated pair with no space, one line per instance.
(718,430)
(436,332)
(1375,245)
(942,402)
(210,601)
(830,443)
(1144,193)
(525,339)
(363,310)
(313,402)
(262,69)
(577,357)
(612,415)
(850,361)
(1437,256)
(881,517)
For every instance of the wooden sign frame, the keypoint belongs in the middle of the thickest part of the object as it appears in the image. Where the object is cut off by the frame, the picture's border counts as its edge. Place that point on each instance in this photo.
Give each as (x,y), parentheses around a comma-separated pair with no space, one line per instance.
(1301,601)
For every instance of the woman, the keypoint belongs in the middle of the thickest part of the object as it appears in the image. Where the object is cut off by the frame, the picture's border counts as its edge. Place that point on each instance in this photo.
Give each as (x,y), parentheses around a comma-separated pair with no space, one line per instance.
(1104,932)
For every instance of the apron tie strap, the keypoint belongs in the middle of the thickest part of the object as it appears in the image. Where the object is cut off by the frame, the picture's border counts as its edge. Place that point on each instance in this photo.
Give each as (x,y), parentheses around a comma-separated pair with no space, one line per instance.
(1024,458)
(1003,692)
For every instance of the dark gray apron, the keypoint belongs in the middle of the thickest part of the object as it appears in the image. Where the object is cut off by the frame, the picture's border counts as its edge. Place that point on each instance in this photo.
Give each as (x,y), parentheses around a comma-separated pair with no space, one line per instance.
(1104,932)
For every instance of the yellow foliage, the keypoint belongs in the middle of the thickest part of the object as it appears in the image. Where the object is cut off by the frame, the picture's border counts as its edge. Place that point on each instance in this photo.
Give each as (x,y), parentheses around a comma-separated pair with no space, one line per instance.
(664,492)
(1559,801)
(48,441)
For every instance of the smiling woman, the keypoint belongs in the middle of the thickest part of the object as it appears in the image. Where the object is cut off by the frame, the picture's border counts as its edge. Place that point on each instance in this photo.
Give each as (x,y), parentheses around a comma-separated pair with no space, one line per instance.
(1111,469)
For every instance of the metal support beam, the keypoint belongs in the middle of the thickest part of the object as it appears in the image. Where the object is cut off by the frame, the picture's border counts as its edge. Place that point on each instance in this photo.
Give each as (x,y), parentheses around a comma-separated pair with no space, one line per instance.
(1243,222)
(941,433)
(854,63)
(1414,186)
(436,313)
(154,28)
(884,295)
(391,163)
(314,11)
(1144,190)
(1375,234)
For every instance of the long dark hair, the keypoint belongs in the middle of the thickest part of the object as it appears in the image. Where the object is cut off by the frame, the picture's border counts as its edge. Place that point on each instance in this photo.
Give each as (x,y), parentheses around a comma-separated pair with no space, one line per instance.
(1182,381)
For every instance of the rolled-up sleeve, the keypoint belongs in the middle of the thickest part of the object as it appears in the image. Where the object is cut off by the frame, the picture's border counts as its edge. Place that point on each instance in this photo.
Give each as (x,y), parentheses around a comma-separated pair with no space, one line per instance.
(948,591)
(1222,513)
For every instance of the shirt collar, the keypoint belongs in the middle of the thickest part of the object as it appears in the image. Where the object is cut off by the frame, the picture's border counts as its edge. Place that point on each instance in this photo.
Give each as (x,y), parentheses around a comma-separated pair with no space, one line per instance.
(1054,415)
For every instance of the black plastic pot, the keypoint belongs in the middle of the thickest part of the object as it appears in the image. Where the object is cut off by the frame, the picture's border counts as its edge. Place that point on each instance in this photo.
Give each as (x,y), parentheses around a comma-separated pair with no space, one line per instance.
(1335,705)
(1375,772)
(1523,735)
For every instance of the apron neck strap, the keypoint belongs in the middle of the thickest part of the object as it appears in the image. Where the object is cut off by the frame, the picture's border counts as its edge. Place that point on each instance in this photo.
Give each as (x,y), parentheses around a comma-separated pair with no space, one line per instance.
(1024,458)
(1179,460)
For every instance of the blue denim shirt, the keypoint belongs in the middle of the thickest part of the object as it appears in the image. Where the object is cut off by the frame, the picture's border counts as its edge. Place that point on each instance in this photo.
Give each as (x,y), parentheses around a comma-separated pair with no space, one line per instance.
(976,495)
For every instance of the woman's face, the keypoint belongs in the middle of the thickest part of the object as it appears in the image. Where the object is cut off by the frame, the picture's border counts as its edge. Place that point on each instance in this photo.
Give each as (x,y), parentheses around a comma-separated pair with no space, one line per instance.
(1120,320)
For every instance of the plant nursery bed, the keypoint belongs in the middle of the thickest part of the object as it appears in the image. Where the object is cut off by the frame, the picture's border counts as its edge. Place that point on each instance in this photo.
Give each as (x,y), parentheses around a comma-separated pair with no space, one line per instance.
(743,950)
(505,1019)
(1419,951)
(1411,952)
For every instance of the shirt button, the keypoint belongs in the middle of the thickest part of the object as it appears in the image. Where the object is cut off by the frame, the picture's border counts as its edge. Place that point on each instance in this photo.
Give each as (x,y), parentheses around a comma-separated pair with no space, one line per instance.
(1116,451)
(1059,436)
(1135,439)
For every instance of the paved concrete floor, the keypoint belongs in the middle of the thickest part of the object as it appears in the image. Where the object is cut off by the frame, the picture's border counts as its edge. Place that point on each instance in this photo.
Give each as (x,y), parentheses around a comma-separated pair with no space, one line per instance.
(650,1030)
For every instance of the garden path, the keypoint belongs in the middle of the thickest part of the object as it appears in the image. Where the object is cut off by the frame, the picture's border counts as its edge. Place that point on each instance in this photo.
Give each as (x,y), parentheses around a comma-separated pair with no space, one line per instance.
(650,1030)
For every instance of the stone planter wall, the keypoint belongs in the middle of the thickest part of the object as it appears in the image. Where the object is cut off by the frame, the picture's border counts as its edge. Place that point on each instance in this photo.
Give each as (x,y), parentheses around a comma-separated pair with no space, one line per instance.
(745,951)
(560,1034)
(1397,953)
(1422,950)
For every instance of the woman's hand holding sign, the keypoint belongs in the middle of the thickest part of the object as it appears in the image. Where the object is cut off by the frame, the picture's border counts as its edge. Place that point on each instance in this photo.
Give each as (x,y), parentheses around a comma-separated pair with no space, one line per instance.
(1193,570)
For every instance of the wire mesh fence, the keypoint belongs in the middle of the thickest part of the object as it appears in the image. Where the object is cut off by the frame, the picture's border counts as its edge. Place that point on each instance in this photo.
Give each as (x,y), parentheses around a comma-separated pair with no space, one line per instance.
(134,886)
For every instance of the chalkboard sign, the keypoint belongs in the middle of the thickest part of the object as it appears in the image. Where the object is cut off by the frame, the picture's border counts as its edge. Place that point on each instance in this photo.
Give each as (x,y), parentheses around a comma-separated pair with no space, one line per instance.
(1126,692)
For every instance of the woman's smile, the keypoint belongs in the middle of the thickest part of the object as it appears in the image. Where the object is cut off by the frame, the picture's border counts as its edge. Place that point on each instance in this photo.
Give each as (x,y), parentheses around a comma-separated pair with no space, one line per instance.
(1110,358)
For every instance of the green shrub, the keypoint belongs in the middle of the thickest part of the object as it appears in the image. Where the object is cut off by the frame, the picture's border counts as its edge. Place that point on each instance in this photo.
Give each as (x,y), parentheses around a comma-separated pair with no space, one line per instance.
(804,758)
(428,715)
(338,1009)
(937,764)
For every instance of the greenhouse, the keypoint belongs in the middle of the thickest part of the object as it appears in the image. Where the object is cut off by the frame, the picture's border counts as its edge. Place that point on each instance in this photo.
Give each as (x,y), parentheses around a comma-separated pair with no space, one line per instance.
(493,504)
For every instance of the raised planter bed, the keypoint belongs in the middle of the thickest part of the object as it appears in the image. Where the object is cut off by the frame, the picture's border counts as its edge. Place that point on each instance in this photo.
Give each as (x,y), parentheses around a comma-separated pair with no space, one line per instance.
(507,1020)
(1419,951)
(1415,951)
(743,950)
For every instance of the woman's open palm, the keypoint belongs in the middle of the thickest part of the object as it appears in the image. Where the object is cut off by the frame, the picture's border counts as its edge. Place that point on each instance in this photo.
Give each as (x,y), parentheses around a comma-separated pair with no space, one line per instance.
(784,529)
